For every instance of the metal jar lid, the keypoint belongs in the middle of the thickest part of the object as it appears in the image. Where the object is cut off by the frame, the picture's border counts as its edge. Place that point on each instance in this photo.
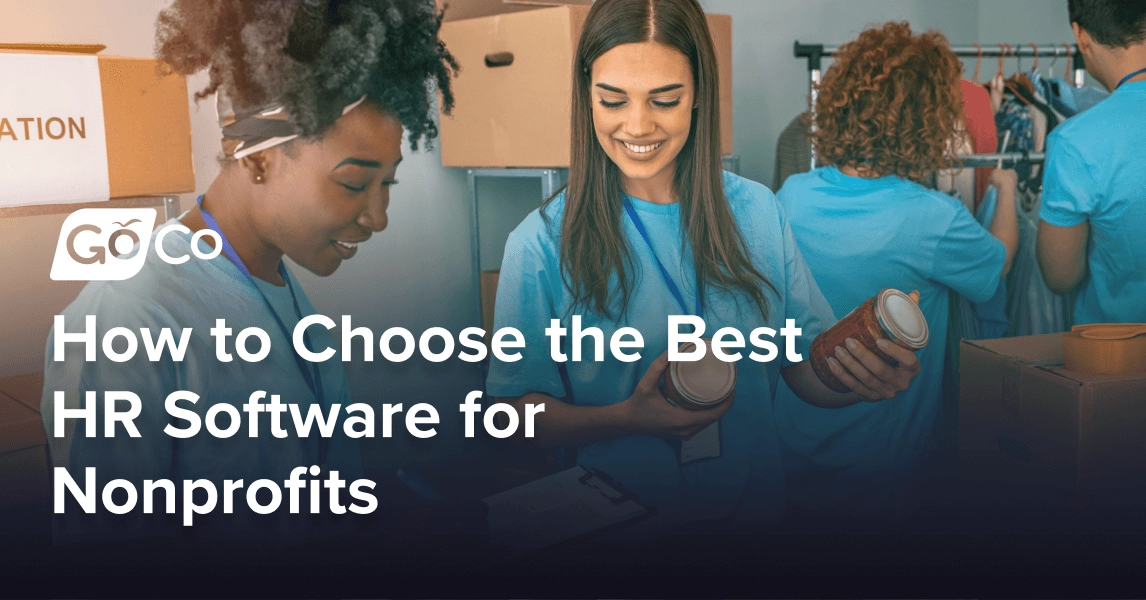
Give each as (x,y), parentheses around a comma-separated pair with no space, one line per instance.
(901,319)
(705,382)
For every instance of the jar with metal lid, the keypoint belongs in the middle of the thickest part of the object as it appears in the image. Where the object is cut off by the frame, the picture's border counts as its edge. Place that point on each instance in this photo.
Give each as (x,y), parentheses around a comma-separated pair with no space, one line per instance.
(701,384)
(890,315)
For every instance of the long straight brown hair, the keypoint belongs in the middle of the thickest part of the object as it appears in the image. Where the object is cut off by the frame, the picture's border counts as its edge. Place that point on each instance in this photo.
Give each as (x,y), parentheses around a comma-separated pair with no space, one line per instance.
(593,242)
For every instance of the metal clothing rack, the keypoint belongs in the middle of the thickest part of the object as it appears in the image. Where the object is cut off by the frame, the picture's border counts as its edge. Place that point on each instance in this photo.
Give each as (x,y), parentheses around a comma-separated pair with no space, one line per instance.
(814,53)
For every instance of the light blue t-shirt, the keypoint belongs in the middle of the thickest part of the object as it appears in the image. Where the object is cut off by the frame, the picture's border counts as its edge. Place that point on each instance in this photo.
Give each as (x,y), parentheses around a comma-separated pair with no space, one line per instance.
(859,236)
(1096,171)
(193,295)
(747,478)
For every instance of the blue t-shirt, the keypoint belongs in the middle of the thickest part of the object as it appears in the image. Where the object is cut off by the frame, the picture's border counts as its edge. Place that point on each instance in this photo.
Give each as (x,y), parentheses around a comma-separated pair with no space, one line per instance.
(748,476)
(1096,172)
(193,295)
(859,236)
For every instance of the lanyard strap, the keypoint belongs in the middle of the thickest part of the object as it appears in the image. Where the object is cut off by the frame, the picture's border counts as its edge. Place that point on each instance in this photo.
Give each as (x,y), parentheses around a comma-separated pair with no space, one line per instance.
(312,375)
(1130,76)
(664,272)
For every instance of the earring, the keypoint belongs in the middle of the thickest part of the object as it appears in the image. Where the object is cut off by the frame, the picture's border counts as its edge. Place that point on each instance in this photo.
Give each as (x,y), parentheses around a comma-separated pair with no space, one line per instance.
(258,178)
(697,105)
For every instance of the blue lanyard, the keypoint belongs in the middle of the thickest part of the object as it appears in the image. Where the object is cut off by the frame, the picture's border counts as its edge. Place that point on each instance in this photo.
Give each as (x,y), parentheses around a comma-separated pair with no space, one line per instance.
(312,375)
(664,272)
(1130,76)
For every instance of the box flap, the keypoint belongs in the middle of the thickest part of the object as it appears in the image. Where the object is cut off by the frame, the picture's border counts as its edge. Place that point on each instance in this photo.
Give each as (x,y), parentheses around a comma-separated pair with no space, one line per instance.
(65,48)
(1045,353)
(1034,350)
(20,427)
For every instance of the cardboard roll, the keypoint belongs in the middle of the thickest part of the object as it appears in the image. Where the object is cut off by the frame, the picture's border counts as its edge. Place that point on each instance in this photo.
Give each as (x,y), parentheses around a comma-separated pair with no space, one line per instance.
(1086,354)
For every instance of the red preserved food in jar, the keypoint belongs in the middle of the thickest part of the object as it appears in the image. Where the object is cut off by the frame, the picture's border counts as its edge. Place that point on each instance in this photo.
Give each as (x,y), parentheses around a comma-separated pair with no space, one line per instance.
(891,315)
(700,384)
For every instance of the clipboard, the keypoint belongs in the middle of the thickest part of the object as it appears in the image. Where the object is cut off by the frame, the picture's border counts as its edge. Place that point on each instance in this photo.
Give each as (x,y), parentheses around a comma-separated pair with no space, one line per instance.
(573,504)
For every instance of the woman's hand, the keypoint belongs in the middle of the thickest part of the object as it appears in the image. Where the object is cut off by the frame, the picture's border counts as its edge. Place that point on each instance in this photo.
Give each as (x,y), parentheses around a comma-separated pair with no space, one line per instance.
(867,375)
(1005,222)
(1004,180)
(648,412)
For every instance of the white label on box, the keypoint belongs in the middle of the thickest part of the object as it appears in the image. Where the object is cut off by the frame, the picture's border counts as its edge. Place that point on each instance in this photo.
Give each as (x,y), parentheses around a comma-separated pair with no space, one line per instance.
(53,148)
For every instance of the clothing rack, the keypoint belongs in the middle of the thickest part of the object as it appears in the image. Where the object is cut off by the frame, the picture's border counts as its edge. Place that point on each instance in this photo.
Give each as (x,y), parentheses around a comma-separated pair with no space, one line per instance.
(814,53)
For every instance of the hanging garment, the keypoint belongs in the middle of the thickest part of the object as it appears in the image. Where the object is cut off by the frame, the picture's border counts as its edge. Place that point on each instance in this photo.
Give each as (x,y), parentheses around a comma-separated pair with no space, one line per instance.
(1032,307)
(793,151)
(1069,100)
(980,124)
(985,320)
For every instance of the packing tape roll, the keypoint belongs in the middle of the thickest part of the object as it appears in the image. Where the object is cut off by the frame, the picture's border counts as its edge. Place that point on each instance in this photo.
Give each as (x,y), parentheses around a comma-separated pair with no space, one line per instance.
(1105,357)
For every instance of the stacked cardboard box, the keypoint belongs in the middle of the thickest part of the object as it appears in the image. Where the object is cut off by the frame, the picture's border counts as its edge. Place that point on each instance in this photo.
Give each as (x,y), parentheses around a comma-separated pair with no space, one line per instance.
(147,122)
(1025,420)
(25,476)
(514,90)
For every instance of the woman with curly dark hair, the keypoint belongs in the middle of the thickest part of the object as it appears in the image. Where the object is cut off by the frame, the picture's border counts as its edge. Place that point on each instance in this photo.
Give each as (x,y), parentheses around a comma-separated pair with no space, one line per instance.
(313,98)
(888,115)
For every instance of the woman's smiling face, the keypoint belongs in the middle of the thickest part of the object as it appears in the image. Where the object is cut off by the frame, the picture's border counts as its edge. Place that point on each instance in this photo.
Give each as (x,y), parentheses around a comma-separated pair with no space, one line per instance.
(643,97)
(328,195)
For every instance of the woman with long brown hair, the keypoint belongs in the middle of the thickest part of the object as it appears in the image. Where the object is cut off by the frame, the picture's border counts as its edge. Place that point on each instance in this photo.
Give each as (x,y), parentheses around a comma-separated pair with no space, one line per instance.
(648,227)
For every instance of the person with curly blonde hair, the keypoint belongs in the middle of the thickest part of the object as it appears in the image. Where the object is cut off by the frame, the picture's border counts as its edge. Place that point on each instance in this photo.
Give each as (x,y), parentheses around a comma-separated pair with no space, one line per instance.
(888,115)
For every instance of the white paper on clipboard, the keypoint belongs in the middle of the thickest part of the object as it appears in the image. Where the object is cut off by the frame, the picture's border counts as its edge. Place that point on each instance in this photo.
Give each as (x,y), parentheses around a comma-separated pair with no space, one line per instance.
(557,508)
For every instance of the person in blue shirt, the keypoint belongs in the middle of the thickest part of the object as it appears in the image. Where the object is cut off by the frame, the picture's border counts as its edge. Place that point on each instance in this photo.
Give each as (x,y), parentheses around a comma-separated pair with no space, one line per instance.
(313,111)
(887,111)
(1093,214)
(648,227)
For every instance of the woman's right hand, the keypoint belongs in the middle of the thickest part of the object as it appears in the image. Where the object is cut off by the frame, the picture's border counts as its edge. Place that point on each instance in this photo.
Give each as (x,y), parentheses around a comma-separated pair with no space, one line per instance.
(1004,180)
(648,412)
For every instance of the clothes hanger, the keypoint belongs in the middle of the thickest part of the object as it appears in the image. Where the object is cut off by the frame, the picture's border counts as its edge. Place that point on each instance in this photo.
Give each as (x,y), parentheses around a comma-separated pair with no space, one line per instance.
(1019,78)
(978,63)
(1069,58)
(1035,67)
(1054,61)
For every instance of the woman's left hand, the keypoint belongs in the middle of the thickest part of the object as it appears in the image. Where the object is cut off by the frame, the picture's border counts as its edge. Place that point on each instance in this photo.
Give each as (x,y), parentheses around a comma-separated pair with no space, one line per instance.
(867,375)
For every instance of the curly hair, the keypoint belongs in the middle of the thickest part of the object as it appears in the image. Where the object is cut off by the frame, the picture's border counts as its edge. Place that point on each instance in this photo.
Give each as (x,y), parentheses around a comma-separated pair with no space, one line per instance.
(315,56)
(891,104)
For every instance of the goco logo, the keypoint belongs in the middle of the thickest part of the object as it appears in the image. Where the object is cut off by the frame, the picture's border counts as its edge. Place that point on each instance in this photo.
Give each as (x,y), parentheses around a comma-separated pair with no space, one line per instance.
(110,244)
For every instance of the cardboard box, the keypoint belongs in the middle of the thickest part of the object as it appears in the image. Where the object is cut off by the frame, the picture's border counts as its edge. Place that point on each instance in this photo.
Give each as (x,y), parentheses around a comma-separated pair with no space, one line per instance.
(25,474)
(517,115)
(147,121)
(1025,420)
(457,10)
(25,389)
(488,301)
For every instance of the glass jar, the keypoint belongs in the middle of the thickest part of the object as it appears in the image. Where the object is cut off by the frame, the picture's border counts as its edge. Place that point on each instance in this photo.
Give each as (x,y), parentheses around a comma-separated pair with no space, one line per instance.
(890,315)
